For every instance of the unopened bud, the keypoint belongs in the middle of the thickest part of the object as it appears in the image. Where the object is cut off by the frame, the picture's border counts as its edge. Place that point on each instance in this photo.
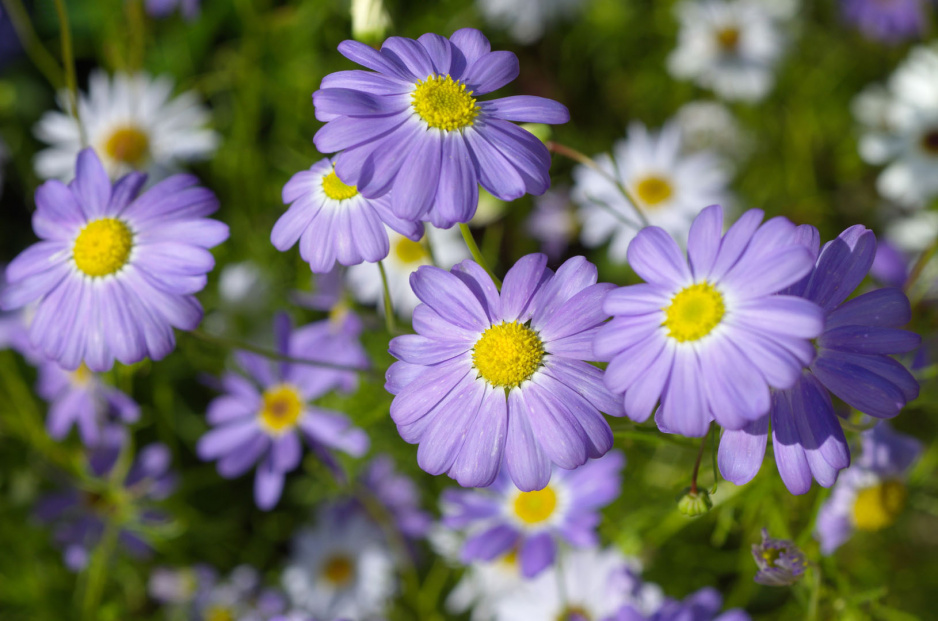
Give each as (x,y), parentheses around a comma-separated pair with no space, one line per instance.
(370,21)
(541,132)
(694,504)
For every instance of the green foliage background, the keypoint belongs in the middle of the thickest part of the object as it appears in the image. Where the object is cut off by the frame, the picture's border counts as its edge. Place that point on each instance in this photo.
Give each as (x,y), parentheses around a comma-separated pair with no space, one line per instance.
(256,63)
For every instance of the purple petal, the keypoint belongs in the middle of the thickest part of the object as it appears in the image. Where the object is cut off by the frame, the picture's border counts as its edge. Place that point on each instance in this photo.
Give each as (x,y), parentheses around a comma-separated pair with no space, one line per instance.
(527,464)
(641,398)
(683,407)
(226,439)
(481,455)
(347,132)
(742,451)
(521,281)
(657,259)
(369,57)
(842,266)
(449,296)
(374,83)
(490,72)
(268,485)
(883,308)
(875,385)
(416,183)
(789,455)
(735,241)
(527,109)
(458,175)
(703,241)
(410,54)
(428,388)
(91,185)
(496,173)
(537,554)
(489,544)
(865,340)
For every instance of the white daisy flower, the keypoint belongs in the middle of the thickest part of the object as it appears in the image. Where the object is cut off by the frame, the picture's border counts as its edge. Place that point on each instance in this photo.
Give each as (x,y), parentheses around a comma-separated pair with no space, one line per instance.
(132,122)
(364,280)
(592,584)
(340,570)
(728,46)
(901,129)
(483,586)
(709,125)
(526,20)
(670,187)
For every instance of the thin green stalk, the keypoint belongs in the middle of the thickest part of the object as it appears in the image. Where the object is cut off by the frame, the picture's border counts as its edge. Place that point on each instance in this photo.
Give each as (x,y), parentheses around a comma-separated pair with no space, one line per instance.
(38,54)
(923,260)
(714,432)
(388,306)
(693,477)
(68,61)
(477,254)
(97,572)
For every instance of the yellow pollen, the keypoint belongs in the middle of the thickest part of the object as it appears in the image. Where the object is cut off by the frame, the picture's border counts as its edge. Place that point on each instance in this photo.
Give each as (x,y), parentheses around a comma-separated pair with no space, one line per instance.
(103,247)
(510,558)
(653,190)
(335,189)
(337,570)
(507,354)
(535,507)
(574,613)
(444,103)
(694,312)
(930,142)
(219,613)
(408,251)
(728,39)
(878,506)
(82,375)
(129,145)
(281,409)
(770,556)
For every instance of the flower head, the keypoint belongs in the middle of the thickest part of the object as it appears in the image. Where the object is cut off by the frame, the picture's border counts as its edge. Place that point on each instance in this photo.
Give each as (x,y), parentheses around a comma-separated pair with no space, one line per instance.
(239,597)
(263,419)
(852,361)
(780,562)
(552,223)
(890,22)
(131,121)
(415,125)
(707,335)
(501,519)
(492,374)
(115,272)
(702,605)
(189,9)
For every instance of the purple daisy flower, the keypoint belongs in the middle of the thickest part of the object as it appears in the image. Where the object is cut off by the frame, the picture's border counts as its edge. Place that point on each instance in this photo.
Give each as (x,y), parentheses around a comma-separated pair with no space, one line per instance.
(552,223)
(334,223)
(707,335)
(163,8)
(871,494)
(413,125)
(889,21)
(79,398)
(115,272)
(492,373)
(780,561)
(80,515)
(702,605)
(399,495)
(853,362)
(501,518)
(890,266)
(263,420)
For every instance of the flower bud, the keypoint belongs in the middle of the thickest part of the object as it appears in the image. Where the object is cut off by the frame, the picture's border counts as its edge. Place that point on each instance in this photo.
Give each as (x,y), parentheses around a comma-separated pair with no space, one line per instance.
(694,504)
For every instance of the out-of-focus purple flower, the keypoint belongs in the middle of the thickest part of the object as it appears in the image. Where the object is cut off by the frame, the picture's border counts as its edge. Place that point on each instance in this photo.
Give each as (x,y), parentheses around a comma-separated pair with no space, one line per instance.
(241,597)
(552,223)
(79,516)
(853,361)
(178,587)
(263,419)
(702,605)
(871,494)
(492,374)
(707,334)
(414,125)
(327,291)
(780,562)
(501,518)
(115,272)
(164,8)
(890,266)
(399,495)
(889,21)
(79,398)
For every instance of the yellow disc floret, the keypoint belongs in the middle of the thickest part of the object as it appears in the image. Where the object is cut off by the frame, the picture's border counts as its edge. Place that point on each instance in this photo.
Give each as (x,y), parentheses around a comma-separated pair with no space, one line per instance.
(653,190)
(281,409)
(508,354)
(408,251)
(103,247)
(129,145)
(219,613)
(694,312)
(337,570)
(336,189)
(535,507)
(444,103)
(728,39)
(878,506)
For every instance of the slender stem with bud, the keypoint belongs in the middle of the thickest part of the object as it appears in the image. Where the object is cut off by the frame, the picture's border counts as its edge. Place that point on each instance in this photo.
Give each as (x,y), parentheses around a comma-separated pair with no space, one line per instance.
(477,254)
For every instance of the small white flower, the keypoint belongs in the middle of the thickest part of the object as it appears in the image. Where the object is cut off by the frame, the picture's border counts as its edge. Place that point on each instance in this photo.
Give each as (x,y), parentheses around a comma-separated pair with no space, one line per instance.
(596,584)
(900,123)
(340,570)
(526,20)
(670,187)
(709,125)
(729,46)
(132,122)
(242,285)
(364,280)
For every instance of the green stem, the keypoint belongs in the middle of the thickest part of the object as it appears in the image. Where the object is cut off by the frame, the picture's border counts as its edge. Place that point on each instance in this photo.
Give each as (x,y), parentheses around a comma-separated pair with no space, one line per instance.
(97,571)
(477,254)
(68,60)
(38,54)
(923,260)
(693,476)
(714,432)
(272,355)
(388,306)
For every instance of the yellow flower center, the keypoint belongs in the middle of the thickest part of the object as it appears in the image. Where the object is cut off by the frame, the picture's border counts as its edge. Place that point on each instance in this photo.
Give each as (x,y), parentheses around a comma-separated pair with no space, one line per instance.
(219,613)
(770,556)
(728,39)
(574,613)
(535,507)
(694,312)
(338,570)
(129,145)
(335,189)
(653,190)
(930,142)
(878,506)
(81,376)
(103,247)
(409,251)
(444,103)
(507,354)
(510,558)
(282,406)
